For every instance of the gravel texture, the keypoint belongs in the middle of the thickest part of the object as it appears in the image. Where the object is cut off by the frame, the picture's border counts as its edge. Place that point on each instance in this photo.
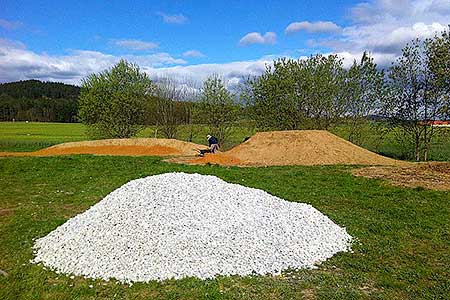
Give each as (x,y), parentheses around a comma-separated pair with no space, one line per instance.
(177,225)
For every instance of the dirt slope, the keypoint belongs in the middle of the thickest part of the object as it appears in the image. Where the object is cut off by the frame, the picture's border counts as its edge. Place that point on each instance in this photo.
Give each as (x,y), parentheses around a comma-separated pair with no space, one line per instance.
(133,147)
(299,147)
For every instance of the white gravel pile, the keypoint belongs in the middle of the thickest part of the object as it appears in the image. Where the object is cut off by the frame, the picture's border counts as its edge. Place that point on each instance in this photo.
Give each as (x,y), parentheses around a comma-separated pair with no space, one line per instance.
(176,225)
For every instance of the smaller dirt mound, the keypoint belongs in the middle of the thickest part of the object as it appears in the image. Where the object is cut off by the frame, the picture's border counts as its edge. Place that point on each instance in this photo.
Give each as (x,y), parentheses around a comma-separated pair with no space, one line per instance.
(111,150)
(434,176)
(126,147)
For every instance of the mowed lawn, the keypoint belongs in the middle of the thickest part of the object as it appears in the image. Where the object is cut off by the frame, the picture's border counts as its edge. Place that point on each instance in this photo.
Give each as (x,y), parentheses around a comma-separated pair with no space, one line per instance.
(401,248)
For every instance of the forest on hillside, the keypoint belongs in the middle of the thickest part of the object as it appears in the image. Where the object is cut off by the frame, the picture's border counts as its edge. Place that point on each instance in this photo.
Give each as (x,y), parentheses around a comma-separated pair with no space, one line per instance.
(34,100)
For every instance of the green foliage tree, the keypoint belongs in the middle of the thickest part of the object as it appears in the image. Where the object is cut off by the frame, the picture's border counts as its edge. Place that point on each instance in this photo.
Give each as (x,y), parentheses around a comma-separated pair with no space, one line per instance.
(414,99)
(298,94)
(438,52)
(166,112)
(113,103)
(272,97)
(365,91)
(216,108)
(321,82)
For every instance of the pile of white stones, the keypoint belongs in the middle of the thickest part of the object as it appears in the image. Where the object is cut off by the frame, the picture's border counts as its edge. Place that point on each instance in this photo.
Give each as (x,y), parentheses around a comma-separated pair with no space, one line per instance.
(178,225)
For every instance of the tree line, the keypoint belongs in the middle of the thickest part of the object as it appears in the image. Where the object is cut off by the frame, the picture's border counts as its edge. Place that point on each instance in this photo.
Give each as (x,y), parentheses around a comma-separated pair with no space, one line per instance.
(33,100)
(313,93)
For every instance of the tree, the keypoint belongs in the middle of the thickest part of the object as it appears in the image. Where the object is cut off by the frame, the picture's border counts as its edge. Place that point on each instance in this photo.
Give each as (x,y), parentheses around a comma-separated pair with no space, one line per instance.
(299,94)
(216,108)
(113,102)
(365,90)
(413,99)
(322,81)
(438,52)
(165,95)
(272,98)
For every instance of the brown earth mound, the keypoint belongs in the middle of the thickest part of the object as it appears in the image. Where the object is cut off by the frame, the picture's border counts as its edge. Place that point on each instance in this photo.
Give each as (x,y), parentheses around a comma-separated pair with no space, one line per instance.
(434,176)
(131,147)
(298,147)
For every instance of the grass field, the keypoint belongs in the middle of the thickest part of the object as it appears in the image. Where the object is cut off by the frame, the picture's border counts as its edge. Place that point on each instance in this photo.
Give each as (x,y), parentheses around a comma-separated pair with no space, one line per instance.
(401,253)
(402,248)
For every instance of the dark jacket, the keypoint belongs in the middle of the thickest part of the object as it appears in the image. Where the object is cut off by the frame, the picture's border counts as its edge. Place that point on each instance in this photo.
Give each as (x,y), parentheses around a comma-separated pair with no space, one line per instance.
(213,140)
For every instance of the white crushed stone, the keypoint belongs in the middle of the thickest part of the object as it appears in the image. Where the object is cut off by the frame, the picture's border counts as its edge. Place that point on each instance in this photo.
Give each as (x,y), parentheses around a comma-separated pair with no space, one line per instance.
(177,225)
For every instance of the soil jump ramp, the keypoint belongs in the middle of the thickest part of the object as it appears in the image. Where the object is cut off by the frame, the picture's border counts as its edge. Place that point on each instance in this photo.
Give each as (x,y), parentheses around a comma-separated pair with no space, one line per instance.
(125,147)
(297,147)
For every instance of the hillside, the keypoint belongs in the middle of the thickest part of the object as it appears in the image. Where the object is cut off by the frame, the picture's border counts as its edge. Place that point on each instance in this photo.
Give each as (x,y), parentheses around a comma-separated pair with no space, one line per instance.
(33,100)
(35,89)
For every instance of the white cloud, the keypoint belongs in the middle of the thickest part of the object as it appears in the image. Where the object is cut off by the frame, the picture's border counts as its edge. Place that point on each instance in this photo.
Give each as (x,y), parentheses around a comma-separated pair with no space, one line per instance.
(387,25)
(18,63)
(383,27)
(135,44)
(232,72)
(9,25)
(257,38)
(193,53)
(316,27)
(173,19)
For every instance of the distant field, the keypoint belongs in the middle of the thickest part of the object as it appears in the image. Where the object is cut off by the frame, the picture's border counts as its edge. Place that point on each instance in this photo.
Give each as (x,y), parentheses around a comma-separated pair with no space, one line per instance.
(21,136)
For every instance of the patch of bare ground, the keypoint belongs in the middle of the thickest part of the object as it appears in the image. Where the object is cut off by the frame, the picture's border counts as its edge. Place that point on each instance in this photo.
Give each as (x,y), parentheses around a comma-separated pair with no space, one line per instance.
(308,294)
(5,212)
(433,175)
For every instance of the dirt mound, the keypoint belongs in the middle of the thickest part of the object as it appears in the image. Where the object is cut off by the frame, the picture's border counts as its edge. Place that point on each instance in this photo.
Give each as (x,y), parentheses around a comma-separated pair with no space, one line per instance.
(434,176)
(298,147)
(131,147)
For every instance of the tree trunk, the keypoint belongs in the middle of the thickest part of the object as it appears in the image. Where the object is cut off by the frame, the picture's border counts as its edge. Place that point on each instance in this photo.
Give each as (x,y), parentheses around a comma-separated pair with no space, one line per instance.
(417,150)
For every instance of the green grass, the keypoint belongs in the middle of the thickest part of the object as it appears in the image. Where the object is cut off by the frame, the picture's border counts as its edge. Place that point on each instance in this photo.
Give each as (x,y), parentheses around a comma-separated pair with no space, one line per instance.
(402,249)
(22,136)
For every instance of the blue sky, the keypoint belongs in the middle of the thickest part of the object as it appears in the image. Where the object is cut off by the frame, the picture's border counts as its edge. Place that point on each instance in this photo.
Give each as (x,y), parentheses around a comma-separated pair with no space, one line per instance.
(66,40)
